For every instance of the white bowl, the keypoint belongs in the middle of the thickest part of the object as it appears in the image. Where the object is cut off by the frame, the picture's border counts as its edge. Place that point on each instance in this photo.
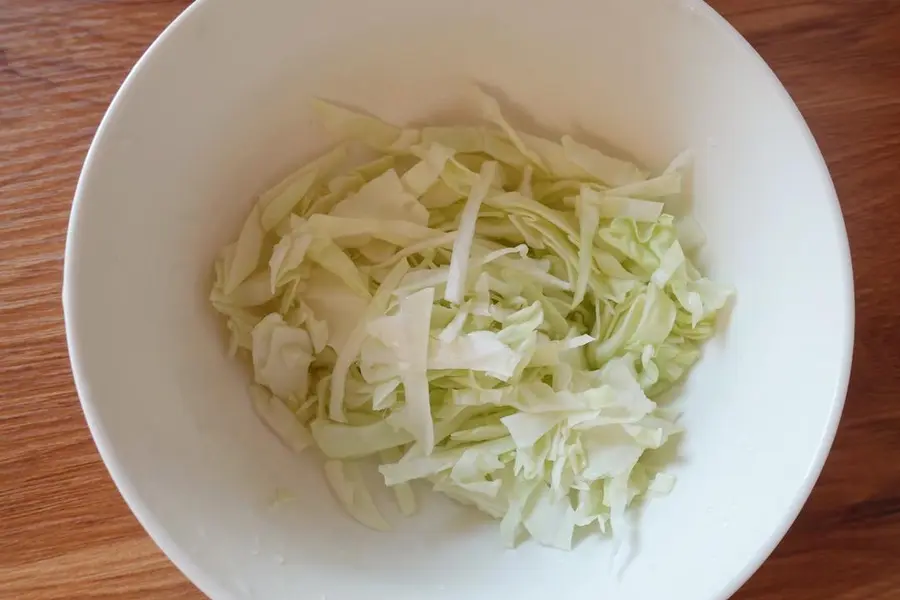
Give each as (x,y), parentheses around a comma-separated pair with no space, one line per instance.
(217,110)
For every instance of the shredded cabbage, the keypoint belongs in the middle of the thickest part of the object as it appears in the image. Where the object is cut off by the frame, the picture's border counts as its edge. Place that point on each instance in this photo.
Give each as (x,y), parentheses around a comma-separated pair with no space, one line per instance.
(492,312)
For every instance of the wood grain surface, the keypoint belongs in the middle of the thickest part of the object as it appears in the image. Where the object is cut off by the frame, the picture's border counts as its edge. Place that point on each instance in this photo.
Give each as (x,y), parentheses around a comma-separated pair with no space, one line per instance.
(64,531)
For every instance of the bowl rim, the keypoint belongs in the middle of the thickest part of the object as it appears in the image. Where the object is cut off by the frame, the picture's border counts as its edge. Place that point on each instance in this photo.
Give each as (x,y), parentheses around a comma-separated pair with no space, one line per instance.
(207,582)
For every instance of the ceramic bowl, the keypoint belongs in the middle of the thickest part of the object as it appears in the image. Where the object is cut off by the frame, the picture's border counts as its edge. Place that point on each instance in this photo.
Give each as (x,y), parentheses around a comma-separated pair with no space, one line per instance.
(218,109)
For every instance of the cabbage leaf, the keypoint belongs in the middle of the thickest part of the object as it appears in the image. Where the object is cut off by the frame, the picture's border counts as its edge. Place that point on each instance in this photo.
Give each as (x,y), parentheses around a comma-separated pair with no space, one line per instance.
(497,314)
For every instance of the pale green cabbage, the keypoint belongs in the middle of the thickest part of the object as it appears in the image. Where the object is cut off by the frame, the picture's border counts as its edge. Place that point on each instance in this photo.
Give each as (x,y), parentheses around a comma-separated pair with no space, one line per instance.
(483,309)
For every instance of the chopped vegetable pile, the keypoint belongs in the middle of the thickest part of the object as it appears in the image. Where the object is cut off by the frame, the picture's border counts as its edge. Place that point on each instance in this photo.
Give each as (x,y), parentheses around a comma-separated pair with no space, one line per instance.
(492,312)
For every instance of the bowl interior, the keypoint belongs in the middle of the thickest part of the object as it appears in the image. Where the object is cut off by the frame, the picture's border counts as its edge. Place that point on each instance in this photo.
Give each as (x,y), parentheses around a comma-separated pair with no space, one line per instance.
(217,110)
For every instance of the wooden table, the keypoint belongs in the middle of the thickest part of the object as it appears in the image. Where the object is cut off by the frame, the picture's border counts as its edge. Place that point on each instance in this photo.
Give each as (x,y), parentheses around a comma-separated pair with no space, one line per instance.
(64,531)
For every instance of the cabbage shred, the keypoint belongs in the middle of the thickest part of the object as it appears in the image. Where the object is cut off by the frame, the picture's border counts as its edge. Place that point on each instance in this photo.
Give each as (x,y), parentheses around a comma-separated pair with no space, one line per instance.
(489,311)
